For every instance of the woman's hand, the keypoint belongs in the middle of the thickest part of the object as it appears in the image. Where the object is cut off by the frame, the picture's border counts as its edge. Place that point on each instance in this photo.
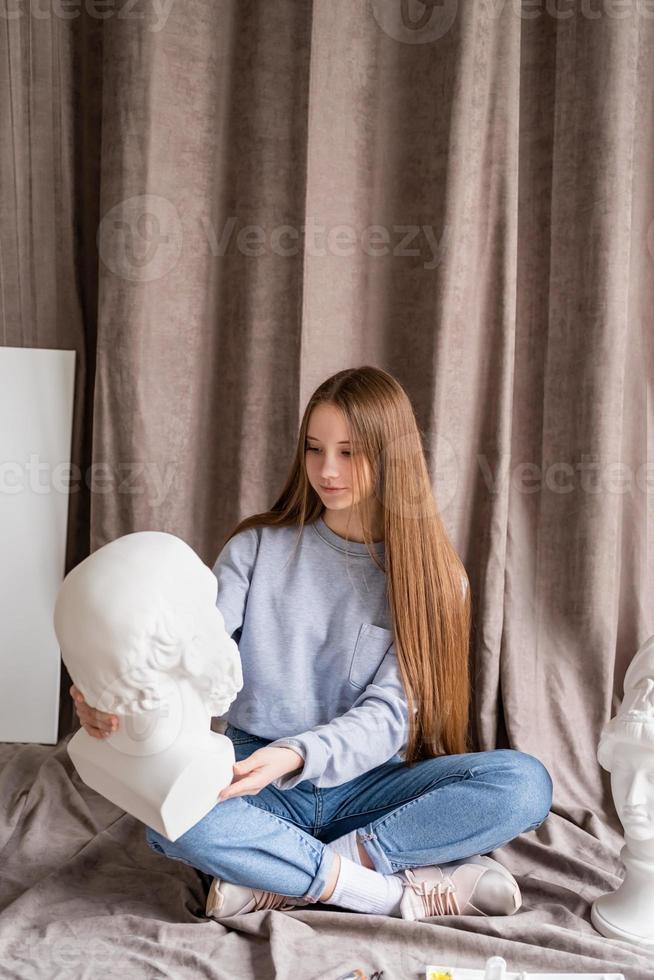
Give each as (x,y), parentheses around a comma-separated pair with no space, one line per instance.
(99,724)
(260,768)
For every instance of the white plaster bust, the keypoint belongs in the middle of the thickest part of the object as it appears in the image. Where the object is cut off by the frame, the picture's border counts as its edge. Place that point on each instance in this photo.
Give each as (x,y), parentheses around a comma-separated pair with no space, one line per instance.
(626,750)
(142,638)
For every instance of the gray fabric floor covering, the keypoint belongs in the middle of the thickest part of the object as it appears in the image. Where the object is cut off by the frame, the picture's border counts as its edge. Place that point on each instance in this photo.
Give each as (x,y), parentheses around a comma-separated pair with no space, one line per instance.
(83,896)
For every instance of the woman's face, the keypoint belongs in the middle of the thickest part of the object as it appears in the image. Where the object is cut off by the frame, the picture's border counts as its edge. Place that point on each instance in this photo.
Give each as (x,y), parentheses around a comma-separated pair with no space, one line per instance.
(328,458)
(632,784)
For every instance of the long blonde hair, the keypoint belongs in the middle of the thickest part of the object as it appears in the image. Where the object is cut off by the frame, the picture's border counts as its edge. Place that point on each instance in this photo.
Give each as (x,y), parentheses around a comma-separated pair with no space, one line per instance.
(430,610)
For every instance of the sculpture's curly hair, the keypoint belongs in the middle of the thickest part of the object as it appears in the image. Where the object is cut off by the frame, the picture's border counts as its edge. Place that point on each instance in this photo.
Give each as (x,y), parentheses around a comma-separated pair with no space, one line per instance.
(634,726)
(143,684)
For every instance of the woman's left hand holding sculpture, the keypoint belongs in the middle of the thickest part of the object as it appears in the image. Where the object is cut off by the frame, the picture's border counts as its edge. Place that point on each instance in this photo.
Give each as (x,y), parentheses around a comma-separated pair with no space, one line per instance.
(99,724)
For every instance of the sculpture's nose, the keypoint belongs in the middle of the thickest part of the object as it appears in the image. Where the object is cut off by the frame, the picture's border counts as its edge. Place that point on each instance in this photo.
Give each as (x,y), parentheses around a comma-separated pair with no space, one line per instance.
(636,796)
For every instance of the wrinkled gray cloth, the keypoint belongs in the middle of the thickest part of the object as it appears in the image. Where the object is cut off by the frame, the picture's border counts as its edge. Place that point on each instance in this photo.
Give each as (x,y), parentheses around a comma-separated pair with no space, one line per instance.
(82,896)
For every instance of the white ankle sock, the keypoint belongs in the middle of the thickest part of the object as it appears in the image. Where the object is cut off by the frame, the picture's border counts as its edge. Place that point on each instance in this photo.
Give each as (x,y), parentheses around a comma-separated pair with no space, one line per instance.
(364,890)
(347,846)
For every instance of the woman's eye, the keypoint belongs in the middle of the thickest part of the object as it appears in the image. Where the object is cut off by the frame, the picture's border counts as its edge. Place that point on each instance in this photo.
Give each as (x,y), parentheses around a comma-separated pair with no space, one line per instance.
(314,449)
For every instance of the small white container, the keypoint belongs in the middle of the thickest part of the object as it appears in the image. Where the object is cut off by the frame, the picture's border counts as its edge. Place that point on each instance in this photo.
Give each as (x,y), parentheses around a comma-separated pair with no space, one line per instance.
(495,969)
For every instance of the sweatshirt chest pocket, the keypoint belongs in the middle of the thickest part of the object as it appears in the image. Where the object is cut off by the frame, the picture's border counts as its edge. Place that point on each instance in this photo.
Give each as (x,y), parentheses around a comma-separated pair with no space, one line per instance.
(369,651)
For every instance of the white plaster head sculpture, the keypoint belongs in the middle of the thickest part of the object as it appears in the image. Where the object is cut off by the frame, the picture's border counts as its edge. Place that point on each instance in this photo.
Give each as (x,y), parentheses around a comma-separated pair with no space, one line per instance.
(142,638)
(626,750)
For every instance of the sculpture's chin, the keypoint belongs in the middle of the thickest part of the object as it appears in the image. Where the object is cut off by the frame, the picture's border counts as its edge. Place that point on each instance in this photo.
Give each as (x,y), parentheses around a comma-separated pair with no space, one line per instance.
(639,832)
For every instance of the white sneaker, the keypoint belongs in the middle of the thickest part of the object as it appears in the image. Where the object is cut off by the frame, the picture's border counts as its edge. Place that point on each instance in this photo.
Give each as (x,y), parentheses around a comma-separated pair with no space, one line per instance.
(225,899)
(450,889)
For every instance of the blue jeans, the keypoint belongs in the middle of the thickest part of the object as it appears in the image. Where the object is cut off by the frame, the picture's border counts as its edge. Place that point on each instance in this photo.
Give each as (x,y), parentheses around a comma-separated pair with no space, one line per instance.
(438,810)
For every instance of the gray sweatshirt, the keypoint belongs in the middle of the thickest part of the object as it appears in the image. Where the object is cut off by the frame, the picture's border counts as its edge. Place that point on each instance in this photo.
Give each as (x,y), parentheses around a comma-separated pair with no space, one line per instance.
(320,671)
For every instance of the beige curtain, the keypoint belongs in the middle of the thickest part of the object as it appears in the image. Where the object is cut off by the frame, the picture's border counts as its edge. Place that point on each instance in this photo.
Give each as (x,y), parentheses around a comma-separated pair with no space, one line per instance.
(218,204)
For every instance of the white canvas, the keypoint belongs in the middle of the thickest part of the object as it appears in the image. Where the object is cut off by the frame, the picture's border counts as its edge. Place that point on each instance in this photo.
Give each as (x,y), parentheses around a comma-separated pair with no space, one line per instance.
(36,418)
